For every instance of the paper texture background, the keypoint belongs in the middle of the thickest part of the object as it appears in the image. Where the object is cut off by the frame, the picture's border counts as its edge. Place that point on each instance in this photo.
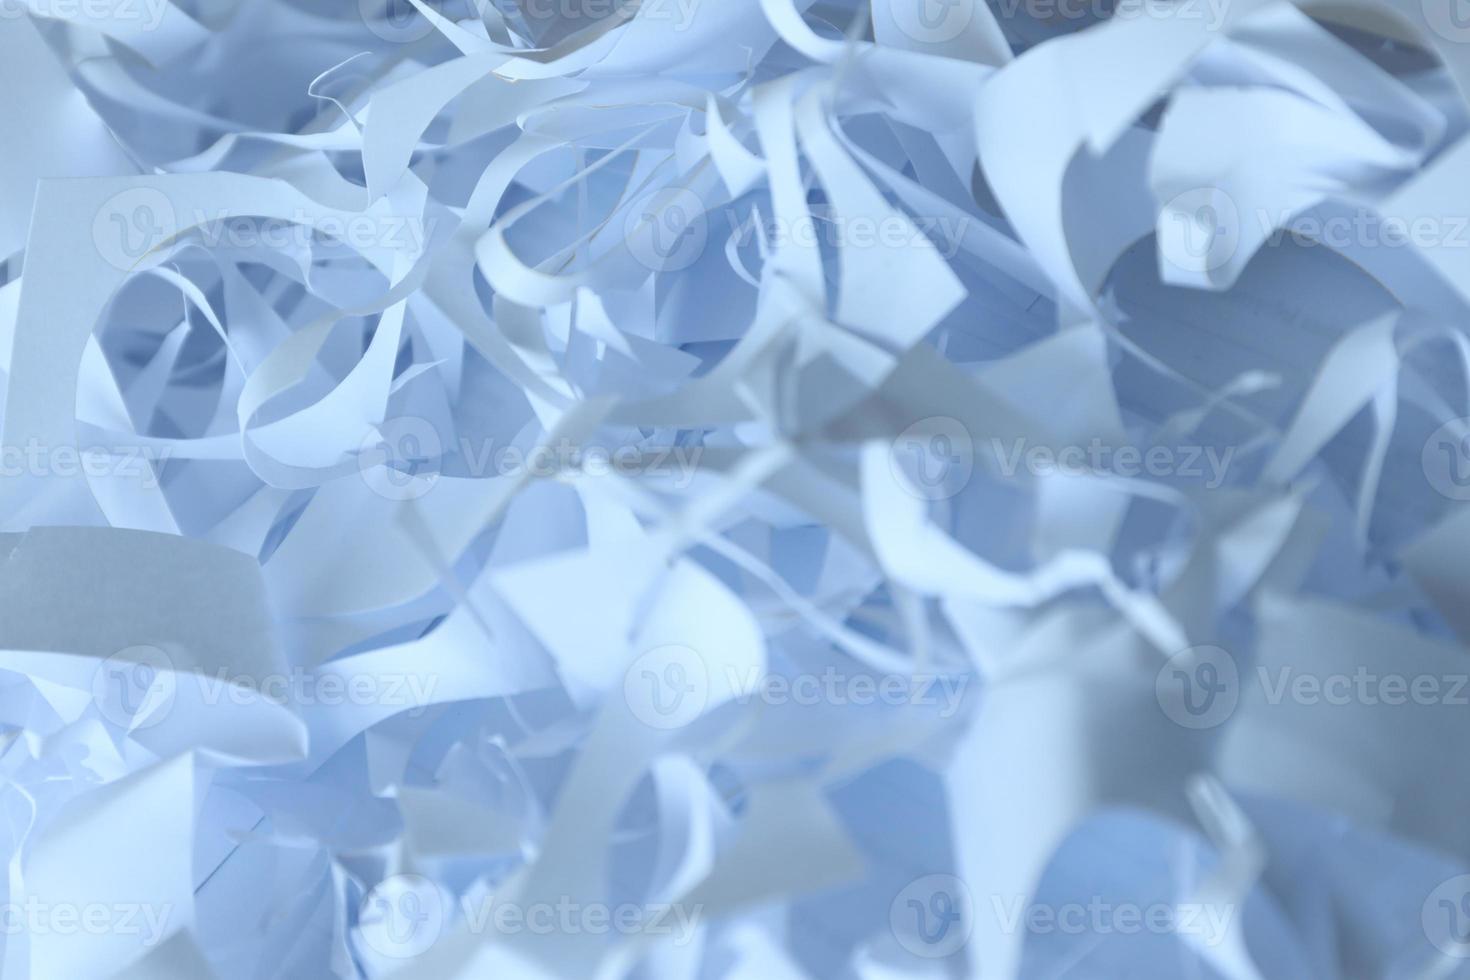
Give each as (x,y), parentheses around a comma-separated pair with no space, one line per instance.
(734,488)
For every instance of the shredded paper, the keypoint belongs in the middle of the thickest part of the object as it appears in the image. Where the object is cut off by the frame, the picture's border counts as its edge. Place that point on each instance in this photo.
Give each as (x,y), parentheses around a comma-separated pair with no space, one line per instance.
(734,489)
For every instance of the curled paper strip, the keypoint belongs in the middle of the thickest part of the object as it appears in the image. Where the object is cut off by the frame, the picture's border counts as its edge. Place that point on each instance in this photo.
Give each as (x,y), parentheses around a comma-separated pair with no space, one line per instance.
(675,488)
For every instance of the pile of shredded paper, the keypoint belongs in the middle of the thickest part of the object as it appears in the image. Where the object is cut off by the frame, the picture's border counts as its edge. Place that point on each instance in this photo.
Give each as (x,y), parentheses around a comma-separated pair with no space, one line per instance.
(734,489)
